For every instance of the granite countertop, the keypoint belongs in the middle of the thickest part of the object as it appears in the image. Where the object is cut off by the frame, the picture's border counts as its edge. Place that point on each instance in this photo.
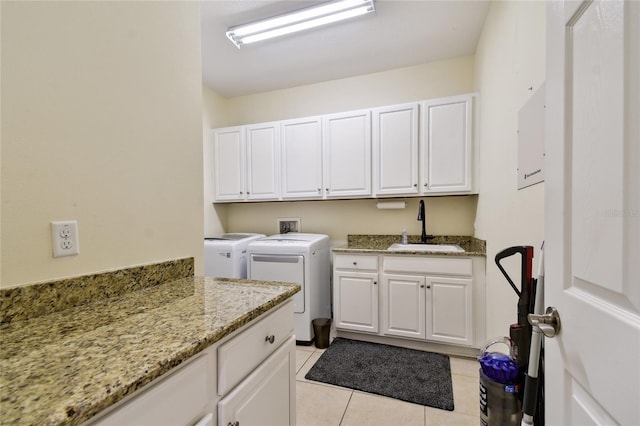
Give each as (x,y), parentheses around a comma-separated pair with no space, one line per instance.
(380,244)
(67,366)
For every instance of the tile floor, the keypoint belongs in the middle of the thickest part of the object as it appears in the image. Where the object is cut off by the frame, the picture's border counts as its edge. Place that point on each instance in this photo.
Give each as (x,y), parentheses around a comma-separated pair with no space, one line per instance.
(326,405)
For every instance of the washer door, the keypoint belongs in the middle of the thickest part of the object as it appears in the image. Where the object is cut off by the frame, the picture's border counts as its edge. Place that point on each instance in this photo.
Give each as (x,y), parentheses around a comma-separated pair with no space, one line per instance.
(283,267)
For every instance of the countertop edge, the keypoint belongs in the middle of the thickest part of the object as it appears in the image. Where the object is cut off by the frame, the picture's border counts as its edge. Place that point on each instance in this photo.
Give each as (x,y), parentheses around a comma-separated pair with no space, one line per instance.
(405,253)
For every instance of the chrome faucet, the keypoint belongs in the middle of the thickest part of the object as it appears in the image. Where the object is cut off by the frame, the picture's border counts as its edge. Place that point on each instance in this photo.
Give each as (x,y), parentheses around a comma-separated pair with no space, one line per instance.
(423,218)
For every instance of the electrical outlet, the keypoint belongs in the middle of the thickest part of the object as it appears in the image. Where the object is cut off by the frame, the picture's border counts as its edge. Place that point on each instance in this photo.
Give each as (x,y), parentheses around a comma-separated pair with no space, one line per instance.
(64,237)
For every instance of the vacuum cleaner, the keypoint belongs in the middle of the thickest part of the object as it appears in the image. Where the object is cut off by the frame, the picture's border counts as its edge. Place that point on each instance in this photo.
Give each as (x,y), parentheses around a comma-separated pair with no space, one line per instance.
(502,376)
(520,333)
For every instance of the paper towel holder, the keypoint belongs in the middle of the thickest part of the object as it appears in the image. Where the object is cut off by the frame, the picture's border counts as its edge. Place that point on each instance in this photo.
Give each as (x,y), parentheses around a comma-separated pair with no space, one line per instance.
(384,205)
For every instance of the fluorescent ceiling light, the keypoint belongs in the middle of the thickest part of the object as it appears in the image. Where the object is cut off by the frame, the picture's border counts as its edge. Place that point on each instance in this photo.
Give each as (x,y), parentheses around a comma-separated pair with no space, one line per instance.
(299,20)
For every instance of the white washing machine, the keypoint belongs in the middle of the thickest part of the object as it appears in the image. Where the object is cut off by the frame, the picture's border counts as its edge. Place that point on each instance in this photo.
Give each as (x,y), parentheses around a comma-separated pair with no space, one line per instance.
(300,258)
(225,256)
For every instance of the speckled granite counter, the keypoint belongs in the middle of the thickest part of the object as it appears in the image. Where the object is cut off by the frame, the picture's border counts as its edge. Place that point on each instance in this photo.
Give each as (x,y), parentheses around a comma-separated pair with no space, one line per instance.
(379,244)
(66,366)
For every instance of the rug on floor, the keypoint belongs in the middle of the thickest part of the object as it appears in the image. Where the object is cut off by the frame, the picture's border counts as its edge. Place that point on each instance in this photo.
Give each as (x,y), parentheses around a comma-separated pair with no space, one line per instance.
(405,374)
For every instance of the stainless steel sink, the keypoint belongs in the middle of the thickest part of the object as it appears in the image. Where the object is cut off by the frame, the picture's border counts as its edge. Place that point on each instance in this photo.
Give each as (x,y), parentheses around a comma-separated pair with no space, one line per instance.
(448,248)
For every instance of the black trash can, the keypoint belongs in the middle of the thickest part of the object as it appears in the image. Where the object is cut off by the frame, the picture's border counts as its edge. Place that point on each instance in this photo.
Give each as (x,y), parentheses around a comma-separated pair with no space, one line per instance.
(321,328)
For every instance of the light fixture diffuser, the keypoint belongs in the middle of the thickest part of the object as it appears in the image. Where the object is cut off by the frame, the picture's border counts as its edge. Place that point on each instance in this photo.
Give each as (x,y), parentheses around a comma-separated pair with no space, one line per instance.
(299,20)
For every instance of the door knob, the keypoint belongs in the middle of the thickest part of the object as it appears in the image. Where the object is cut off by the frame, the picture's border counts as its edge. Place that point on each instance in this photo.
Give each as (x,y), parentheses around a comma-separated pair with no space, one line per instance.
(549,323)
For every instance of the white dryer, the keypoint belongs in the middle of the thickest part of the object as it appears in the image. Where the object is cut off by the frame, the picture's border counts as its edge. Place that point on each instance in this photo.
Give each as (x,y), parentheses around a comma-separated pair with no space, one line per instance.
(300,258)
(225,255)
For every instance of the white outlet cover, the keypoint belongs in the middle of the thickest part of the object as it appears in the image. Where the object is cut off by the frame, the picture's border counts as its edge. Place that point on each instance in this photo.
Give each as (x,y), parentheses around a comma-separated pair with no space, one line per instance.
(64,238)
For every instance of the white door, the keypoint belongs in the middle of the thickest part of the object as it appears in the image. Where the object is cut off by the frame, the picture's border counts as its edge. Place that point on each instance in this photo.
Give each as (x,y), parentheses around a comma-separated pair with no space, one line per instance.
(592,212)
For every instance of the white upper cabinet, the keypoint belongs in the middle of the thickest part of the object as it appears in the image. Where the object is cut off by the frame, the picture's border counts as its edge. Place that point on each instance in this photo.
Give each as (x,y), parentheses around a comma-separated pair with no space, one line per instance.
(446,145)
(395,150)
(246,162)
(413,149)
(302,158)
(347,154)
(263,161)
(228,151)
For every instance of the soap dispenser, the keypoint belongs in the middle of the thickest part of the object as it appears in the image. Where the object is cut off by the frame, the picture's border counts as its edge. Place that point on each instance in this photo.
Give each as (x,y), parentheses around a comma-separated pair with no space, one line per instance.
(405,240)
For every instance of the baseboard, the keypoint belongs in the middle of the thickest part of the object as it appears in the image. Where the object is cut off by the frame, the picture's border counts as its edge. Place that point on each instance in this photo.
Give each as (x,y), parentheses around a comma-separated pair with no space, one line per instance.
(411,344)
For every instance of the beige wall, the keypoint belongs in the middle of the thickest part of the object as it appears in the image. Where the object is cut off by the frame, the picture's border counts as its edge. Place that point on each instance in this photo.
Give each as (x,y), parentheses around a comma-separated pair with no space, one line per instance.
(101,123)
(509,60)
(214,114)
(337,218)
(433,80)
(446,215)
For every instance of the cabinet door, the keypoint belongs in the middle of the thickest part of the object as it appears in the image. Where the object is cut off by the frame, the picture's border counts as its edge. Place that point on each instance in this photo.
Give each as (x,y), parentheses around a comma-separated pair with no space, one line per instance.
(446,145)
(263,161)
(267,396)
(302,158)
(228,170)
(449,310)
(355,301)
(403,305)
(395,150)
(347,154)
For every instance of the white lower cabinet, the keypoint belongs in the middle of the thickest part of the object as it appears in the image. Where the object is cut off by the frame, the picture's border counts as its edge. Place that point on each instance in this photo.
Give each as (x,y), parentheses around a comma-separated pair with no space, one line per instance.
(181,397)
(450,310)
(438,299)
(404,304)
(356,301)
(247,378)
(428,298)
(438,309)
(260,398)
(355,293)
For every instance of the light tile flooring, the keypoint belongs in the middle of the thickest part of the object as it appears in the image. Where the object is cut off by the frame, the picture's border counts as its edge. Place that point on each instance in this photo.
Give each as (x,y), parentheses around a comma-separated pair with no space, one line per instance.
(326,405)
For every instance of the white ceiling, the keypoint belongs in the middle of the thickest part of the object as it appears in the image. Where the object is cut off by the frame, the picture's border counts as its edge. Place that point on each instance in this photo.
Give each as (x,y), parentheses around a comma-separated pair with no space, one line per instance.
(401,33)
